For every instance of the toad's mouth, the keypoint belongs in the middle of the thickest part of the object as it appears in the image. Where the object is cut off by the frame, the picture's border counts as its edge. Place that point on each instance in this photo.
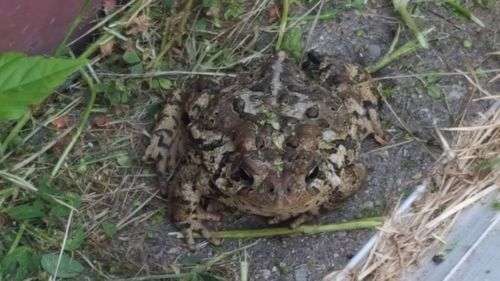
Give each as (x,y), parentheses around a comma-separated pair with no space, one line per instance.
(279,202)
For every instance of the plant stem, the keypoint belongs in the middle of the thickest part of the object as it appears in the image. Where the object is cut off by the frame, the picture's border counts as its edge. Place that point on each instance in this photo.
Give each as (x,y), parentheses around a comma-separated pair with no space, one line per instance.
(303,229)
(402,7)
(166,45)
(455,5)
(61,48)
(19,234)
(15,131)
(284,19)
(407,48)
(103,38)
(83,123)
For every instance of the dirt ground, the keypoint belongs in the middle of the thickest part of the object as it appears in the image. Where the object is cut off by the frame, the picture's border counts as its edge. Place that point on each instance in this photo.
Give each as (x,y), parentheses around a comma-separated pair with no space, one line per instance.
(361,36)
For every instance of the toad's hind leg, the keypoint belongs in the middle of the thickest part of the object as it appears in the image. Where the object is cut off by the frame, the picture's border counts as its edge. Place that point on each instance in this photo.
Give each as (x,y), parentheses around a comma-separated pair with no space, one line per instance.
(187,190)
(166,147)
(373,126)
(352,176)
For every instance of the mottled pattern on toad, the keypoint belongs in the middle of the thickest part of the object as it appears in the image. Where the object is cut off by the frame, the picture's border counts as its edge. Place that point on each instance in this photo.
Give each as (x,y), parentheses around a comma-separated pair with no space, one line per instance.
(273,142)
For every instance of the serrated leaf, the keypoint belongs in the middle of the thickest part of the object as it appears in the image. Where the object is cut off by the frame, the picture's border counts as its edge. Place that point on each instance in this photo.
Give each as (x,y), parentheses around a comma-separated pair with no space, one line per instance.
(292,43)
(26,81)
(68,267)
(131,57)
(27,211)
(109,228)
(76,239)
(19,264)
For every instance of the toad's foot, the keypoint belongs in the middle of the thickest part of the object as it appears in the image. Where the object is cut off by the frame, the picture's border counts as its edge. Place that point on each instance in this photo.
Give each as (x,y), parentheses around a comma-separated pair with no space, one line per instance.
(189,226)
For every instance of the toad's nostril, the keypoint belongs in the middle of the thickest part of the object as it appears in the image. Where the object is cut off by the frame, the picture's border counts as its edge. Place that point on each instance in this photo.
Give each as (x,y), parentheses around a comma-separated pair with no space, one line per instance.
(238,105)
(313,173)
(245,177)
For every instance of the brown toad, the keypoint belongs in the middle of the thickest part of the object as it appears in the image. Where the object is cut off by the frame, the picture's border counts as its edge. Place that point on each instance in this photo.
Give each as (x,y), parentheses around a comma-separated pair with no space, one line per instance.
(273,143)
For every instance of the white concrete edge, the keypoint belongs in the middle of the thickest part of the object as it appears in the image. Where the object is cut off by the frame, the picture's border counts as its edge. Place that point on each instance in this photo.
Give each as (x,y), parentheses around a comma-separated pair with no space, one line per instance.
(363,253)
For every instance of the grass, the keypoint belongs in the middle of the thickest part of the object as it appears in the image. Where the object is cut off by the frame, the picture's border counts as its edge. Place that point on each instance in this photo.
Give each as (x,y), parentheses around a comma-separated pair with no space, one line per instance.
(81,185)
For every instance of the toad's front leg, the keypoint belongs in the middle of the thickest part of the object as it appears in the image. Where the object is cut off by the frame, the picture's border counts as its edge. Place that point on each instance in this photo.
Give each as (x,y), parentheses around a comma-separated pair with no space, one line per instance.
(167,143)
(189,186)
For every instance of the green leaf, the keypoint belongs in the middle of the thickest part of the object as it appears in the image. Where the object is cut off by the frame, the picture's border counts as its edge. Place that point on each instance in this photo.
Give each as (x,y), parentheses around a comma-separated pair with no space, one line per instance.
(5,193)
(165,83)
(131,57)
(491,163)
(68,267)
(200,25)
(209,277)
(292,43)
(210,3)
(137,69)
(109,228)
(496,205)
(19,264)
(26,81)
(356,4)
(434,91)
(124,160)
(76,239)
(27,211)
(71,199)
(234,10)
(190,260)
(168,4)
(115,91)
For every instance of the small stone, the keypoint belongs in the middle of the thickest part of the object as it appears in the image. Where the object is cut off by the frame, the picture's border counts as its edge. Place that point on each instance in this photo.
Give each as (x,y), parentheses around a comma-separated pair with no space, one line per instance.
(274,269)
(266,273)
(301,274)
(368,205)
(374,50)
(174,250)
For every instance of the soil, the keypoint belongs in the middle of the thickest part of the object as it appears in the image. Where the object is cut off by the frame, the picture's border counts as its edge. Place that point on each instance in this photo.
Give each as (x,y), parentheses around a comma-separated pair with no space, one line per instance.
(361,36)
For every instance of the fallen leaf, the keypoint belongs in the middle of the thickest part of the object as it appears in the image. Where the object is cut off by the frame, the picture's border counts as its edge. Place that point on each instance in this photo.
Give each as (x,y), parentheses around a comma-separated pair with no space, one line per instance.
(139,24)
(4,221)
(100,121)
(129,46)
(109,6)
(107,48)
(273,14)
(61,144)
(61,122)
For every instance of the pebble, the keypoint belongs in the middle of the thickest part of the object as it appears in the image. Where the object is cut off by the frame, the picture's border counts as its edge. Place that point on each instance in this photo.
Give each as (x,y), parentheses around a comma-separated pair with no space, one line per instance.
(266,273)
(368,205)
(374,50)
(174,250)
(301,274)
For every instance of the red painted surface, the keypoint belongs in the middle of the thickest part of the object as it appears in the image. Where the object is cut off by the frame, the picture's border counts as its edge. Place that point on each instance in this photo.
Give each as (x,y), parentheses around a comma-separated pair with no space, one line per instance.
(38,26)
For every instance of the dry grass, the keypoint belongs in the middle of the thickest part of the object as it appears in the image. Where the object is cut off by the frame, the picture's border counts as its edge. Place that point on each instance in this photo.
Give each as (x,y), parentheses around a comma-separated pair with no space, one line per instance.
(466,172)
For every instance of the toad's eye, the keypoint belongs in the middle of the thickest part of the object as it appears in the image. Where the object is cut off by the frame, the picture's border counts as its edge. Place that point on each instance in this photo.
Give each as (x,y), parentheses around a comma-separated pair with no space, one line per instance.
(243,176)
(313,173)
